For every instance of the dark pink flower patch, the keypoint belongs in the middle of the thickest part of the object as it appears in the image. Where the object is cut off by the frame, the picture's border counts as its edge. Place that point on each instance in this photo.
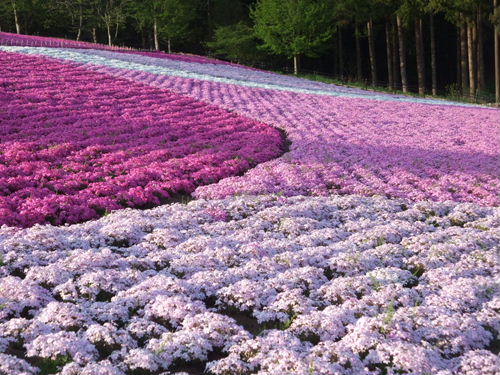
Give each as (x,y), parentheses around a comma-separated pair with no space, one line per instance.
(76,144)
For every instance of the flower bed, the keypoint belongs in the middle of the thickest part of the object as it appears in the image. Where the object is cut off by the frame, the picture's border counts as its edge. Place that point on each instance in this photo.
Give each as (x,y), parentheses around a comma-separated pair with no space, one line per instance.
(342,141)
(256,285)
(77,144)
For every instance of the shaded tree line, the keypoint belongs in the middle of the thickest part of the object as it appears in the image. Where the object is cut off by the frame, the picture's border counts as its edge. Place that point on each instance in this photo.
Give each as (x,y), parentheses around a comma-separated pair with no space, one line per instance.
(425,46)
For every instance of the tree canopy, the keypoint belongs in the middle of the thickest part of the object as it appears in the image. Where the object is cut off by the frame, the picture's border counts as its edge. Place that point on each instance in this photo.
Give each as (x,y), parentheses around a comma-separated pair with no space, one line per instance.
(293,28)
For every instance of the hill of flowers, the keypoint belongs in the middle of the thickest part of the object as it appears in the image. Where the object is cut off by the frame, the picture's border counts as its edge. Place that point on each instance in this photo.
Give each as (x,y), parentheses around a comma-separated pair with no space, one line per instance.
(364,244)
(343,140)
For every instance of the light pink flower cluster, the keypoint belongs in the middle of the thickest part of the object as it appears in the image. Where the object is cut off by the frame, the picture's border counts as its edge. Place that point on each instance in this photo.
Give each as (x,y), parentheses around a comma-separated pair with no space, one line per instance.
(361,146)
(76,144)
(342,285)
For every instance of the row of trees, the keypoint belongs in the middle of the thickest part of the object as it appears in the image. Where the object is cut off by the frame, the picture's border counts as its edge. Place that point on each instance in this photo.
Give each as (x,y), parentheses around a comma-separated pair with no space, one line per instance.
(389,41)
(89,19)
(304,27)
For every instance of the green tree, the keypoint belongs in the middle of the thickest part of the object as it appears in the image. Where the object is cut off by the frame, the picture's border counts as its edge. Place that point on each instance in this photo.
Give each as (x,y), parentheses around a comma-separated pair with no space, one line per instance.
(6,19)
(177,20)
(468,16)
(76,11)
(293,28)
(148,14)
(355,12)
(236,42)
(359,13)
(227,12)
(170,20)
(26,13)
(112,14)
(16,8)
(411,12)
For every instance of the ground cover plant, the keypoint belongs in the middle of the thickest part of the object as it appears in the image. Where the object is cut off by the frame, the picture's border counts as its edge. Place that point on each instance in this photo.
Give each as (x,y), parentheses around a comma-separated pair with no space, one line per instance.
(342,285)
(77,144)
(343,140)
(369,247)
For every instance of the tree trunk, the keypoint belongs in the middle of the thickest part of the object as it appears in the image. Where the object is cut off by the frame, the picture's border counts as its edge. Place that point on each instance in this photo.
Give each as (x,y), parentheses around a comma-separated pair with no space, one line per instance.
(496,7)
(389,54)
(395,63)
(464,69)
(459,59)
(341,54)
(433,56)
(16,18)
(94,35)
(116,32)
(155,34)
(371,50)
(169,46)
(80,23)
(472,58)
(402,54)
(481,82)
(359,66)
(419,48)
(108,29)
(296,64)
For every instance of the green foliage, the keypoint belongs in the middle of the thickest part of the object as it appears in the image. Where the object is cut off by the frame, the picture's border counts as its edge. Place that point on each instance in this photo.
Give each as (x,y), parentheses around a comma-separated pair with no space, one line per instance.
(360,11)
(409,9)
(256,31)
(294,27)
(454,9)
(176,18)
(388,317)
(32,14)
(237,43)
(52,366)
(227,12)
(173,17)
(6,17)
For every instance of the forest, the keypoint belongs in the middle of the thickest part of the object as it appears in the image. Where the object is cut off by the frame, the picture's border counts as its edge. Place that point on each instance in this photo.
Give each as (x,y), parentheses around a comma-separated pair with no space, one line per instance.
(427,47)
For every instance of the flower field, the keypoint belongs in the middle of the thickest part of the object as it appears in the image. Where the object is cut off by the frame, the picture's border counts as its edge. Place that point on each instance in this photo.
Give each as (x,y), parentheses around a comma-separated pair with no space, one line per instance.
(365,243)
